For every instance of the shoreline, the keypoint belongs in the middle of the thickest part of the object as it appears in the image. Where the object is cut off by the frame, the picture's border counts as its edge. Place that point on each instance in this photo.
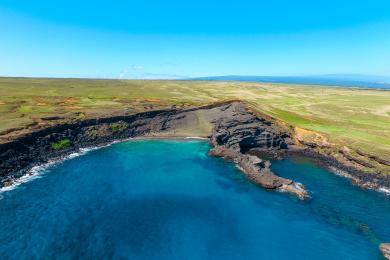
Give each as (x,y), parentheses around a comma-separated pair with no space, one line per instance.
(156,125)
(37,170)
(337,167)
(378,182)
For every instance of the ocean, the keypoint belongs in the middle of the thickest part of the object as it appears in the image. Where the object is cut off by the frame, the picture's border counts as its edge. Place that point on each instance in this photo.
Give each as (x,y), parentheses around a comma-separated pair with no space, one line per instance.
(167,199)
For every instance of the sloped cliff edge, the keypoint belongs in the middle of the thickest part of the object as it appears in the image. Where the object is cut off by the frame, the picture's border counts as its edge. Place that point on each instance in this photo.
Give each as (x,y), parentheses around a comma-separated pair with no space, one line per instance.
(236,133)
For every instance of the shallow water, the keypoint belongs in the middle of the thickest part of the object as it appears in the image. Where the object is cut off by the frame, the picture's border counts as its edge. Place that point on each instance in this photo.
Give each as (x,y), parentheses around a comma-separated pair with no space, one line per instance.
(165,199)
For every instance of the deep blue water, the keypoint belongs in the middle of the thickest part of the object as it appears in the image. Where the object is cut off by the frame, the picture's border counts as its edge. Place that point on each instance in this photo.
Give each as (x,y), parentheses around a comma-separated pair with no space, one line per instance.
(160,199)
(355,81)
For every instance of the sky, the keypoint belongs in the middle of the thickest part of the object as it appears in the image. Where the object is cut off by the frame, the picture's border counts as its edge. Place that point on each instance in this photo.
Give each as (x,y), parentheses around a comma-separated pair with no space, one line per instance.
(193,38)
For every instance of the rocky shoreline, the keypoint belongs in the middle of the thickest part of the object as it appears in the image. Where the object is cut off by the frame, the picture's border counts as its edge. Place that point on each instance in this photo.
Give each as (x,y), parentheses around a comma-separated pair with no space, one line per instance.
(258,171)
(375,181)
(237,134)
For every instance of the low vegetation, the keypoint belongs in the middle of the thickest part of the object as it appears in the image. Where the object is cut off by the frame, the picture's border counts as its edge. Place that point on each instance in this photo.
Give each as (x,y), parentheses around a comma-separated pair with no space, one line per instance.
(119,126)
(60,144)
(356,118)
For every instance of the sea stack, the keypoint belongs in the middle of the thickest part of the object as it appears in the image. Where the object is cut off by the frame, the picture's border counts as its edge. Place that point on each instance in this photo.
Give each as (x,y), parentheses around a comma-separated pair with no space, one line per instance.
(385,248)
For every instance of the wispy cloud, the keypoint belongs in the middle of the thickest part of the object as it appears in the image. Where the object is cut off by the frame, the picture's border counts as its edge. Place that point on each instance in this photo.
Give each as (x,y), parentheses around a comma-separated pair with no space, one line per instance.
(122,74)
(156,76)
(161,76)
(138,67)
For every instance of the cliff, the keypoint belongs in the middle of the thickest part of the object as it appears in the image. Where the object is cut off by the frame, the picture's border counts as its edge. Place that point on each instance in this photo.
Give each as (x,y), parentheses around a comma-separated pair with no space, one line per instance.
(235,132)
(231,125)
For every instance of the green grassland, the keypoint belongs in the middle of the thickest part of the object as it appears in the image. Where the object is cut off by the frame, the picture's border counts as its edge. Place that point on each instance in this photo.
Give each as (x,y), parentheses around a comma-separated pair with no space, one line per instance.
(356,118)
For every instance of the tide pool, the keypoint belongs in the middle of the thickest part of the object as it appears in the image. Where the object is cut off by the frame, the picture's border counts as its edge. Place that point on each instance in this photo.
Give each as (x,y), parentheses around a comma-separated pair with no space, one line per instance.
(166,199)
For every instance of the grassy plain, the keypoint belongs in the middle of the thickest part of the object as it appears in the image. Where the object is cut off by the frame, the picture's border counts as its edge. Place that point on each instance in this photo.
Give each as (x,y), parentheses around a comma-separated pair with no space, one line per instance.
(357,118)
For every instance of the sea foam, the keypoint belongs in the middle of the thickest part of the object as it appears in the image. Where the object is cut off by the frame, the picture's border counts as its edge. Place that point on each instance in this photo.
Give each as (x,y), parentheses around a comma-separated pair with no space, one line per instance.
(37,171)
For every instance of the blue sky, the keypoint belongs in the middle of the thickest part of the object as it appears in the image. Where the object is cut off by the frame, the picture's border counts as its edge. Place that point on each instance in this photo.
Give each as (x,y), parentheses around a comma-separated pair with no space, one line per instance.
(173,38)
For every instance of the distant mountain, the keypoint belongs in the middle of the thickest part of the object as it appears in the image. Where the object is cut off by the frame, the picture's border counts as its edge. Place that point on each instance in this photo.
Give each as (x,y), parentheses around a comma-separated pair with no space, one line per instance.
(344,80)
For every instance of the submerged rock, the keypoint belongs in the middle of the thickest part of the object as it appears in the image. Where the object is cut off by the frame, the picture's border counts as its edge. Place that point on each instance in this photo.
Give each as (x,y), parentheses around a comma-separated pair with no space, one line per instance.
(385,248)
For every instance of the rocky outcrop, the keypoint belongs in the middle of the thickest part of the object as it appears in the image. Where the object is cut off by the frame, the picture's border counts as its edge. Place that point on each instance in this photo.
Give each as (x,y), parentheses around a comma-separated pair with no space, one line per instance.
(229,125)
(36,148)
(342,166)
(237,132)
(258,171)
(375,158)
(242,130)
(385,249)
(364,169)
(234,129)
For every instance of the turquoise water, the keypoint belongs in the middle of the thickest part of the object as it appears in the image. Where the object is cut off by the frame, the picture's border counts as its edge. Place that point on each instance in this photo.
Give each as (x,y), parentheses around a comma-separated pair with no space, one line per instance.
(160,199)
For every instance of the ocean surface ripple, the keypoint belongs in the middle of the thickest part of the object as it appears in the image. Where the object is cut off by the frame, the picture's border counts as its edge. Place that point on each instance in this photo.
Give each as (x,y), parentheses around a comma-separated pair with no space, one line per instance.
(166,199)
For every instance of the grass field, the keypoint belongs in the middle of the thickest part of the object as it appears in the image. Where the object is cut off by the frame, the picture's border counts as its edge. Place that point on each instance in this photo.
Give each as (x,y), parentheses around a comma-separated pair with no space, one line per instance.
(357,118)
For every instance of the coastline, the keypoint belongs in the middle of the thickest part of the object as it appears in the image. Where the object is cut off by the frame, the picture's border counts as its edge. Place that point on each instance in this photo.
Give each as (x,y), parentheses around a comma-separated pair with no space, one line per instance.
(285,186)
(344,168)
(37,170)
(357,177)
(156,125)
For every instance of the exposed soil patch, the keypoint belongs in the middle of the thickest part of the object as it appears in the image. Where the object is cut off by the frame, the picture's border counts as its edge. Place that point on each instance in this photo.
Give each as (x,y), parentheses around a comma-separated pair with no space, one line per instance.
(234,130)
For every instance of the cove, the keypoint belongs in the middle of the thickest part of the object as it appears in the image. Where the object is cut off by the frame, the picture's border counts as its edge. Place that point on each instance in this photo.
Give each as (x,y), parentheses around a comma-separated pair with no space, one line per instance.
(167,199)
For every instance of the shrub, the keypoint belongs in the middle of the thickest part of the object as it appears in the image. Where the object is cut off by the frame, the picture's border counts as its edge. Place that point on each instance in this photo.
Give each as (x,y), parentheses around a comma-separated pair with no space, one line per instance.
(61,144)
(119,126)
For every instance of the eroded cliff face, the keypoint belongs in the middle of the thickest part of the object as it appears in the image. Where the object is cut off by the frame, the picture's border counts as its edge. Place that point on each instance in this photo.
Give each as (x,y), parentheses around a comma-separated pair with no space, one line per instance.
(364,169)
(238,131)
(230,126)
(242,130)
(236,134)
